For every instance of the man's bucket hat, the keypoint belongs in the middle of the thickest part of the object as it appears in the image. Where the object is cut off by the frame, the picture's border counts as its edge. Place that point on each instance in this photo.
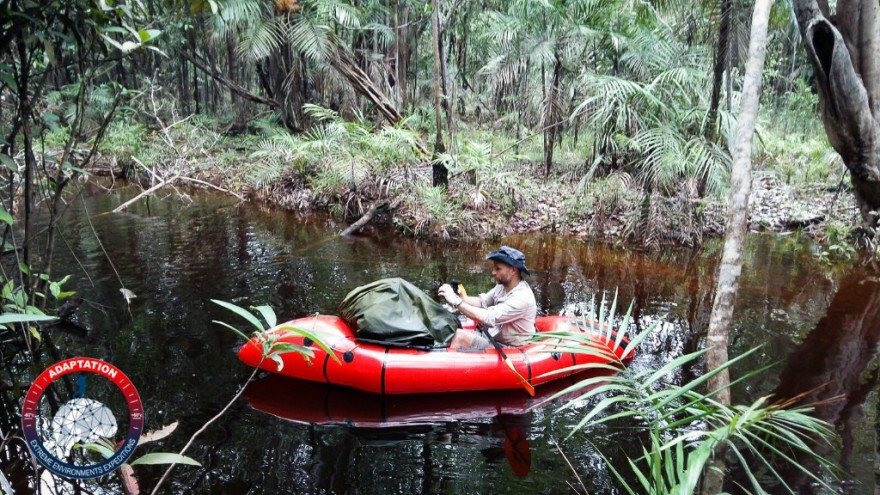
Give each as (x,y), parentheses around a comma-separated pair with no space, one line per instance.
(510,256)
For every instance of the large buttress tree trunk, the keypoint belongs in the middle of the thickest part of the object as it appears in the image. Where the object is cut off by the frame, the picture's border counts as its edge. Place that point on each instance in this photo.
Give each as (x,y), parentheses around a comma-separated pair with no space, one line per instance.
(844,50)
(737,223)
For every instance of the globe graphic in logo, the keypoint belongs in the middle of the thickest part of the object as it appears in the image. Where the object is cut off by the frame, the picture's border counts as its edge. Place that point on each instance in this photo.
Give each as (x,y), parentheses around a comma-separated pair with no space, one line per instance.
(74,413)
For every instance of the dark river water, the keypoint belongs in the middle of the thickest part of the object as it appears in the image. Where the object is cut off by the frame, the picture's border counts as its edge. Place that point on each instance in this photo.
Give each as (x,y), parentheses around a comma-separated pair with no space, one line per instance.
(817,326)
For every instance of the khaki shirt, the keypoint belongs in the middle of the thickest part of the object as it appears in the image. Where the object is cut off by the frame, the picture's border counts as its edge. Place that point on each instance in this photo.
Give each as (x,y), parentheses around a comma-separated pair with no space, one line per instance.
(511,315)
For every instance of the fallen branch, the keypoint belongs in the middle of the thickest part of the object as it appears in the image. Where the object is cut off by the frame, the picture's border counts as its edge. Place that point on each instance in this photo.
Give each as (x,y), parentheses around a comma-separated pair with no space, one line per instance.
(108,171)
(145,193)
(227,191)
(364,219)
(235,88)
(346,66)
(170,182)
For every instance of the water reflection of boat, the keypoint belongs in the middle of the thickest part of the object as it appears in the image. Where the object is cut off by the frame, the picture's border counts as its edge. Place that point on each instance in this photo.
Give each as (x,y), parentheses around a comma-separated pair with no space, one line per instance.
(314,403)
(392,419)
(393,370)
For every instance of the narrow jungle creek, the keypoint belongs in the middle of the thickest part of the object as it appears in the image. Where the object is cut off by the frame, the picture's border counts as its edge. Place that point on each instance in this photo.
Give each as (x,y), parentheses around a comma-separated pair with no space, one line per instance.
(817,327)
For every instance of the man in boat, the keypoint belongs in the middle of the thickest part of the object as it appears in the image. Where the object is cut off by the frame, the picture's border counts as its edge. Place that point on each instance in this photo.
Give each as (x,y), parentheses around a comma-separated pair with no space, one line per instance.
(508,310)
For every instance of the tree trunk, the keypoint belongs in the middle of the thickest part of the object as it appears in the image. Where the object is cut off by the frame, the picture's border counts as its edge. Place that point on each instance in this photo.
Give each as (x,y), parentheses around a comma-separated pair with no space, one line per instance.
(441,174)
(552,118)
(184,83)
(845,54)
(444,80)
(230,61)
(737,223)
(30,164)
(195,74)
(283,73)
(402,14)
(521,108)
(717,75)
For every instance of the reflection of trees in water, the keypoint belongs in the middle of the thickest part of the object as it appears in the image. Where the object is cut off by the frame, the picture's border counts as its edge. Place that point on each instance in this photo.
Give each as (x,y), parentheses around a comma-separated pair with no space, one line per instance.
(831,363)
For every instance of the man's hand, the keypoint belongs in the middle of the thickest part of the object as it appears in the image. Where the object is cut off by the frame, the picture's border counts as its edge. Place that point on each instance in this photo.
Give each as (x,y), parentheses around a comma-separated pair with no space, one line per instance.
(445,291)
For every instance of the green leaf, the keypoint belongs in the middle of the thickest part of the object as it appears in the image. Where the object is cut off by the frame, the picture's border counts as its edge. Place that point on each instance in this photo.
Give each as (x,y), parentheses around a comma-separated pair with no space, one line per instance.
(9,81)
(7,290)
(247,315)
(22,318)
(278,361)
(105,452)
(54,289)
(268,315)
(160,52)
(146,35)
(8,162)
(111,41)
(285,347)
(35,333)
(23,268)
(165,458)
(5,217)
(315,338)
(115,29)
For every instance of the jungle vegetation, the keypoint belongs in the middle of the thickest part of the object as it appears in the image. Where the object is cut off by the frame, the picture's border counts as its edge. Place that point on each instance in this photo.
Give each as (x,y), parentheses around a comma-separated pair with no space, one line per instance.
(611,118)
(601,118)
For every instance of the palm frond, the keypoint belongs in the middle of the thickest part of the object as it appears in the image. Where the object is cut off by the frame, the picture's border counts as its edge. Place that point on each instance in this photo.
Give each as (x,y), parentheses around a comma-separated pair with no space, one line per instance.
(339,11)
(263,39)
(311,38)
(685,426)
(386,33)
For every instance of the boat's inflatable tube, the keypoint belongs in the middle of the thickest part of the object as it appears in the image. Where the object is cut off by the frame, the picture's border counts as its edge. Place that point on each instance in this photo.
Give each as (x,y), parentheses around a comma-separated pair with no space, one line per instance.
(388,370)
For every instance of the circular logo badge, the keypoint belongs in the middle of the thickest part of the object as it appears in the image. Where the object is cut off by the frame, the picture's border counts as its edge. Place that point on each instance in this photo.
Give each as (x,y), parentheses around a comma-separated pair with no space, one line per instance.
(72,407)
